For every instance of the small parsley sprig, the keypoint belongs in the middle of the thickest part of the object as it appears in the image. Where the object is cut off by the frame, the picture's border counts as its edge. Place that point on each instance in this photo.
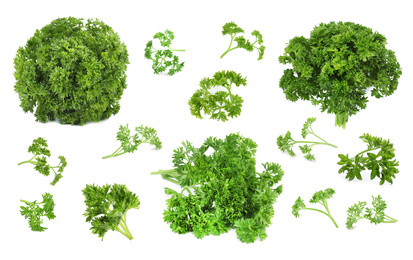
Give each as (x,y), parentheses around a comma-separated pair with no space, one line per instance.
(375,215)
(221,104)
(381,164)
(107,207)
(162,59)
(39,160)
(34,211)
(232,29)
(320,197)
(285,143)
(130,143)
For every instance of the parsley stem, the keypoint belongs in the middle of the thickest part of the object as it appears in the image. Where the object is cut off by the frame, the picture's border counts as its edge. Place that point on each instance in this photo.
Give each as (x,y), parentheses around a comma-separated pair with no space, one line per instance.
(229,48)
(28,161)
(311,142)
(176,49)
(25,201)
(327,214)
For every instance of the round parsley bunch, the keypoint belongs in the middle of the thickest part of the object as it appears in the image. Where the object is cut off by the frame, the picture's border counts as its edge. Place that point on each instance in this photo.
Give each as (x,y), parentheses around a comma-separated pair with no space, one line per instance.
(337,67)
(71,71)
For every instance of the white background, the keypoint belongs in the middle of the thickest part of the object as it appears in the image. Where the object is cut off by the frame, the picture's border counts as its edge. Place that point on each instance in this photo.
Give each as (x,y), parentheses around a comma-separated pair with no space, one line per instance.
(160,101)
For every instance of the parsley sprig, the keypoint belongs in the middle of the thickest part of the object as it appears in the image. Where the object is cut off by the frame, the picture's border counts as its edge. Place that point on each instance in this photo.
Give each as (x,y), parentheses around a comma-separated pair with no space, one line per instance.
(375,215)
(220,189)
(319,197)
(382,164)
(34,211)
(39,160)
(163,59)
(285,143)
(107,206)
(215,96)
(130,143)
(232,29)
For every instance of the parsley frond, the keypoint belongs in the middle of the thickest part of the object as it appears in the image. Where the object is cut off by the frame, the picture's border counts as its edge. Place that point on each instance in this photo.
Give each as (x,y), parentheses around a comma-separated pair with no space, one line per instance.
(130,143)
(285,143)
(39,160)
(34,211)
(319,197)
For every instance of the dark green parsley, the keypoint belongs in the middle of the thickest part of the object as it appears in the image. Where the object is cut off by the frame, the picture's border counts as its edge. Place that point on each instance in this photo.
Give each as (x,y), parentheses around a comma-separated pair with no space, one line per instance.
(39,160)
(71,70)
(381,164)
(130,143)
(34,211)
(232,29)
(106,208)
(285,143)
(215,97)
(163,59)
(375,215)
(337,67)
(220,189)
(319,197)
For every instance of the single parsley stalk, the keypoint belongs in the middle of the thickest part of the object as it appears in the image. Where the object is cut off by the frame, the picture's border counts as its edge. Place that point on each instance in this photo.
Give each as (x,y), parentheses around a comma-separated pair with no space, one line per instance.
(130,143)
(236,47)
(39,160)
(34,211)
(318,197)
(286,142)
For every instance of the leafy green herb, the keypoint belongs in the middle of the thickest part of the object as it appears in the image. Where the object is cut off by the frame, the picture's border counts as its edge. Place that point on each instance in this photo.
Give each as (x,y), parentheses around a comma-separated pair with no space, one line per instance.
(130,143)
(381,164)
(71,71)
(215,96)
(232,29)
(285,143)
(39,160)
(163,59)
(221,190)
(34,211)
(107,207)
(337,66)
(375,215)
(319,197)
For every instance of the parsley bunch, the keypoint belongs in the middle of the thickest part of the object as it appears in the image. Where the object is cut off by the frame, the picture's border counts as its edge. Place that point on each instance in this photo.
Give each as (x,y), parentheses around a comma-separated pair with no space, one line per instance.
(375,215)
(381,164)
(215,97)
(107,207)
(232,29)
(162,59)
(34,211)
(71,71)
(337,66)
(221,189)
(319,197)
(130,143)
(39,160)
(285,143)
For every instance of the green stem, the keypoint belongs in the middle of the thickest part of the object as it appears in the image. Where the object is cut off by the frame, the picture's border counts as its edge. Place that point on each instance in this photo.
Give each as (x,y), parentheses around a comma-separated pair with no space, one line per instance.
(365,151)
(25,201)
(175,49)
(324,214)
(329,214)
(390,219)
(114,154)
(311,142)
(229,48)
(341,120)
(28,161)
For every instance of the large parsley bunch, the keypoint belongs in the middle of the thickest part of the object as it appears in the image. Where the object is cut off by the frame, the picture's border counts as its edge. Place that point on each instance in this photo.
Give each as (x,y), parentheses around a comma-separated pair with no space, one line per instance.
(71,71)
(337,66)
(221,189)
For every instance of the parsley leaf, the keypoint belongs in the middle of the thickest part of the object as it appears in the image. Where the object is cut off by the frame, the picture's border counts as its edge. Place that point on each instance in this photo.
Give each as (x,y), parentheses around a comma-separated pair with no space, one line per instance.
(107,207)
(375,215)
(232,29)
(221,104)
(163,59)
(336,66)
(39,160)
(221,190)
(34,211)
(285,143)
(130,143)
(381,165)
(319,197)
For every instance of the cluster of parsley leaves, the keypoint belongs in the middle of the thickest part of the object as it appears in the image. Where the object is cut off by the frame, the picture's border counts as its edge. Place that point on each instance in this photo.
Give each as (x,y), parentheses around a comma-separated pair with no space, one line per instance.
(221,189)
